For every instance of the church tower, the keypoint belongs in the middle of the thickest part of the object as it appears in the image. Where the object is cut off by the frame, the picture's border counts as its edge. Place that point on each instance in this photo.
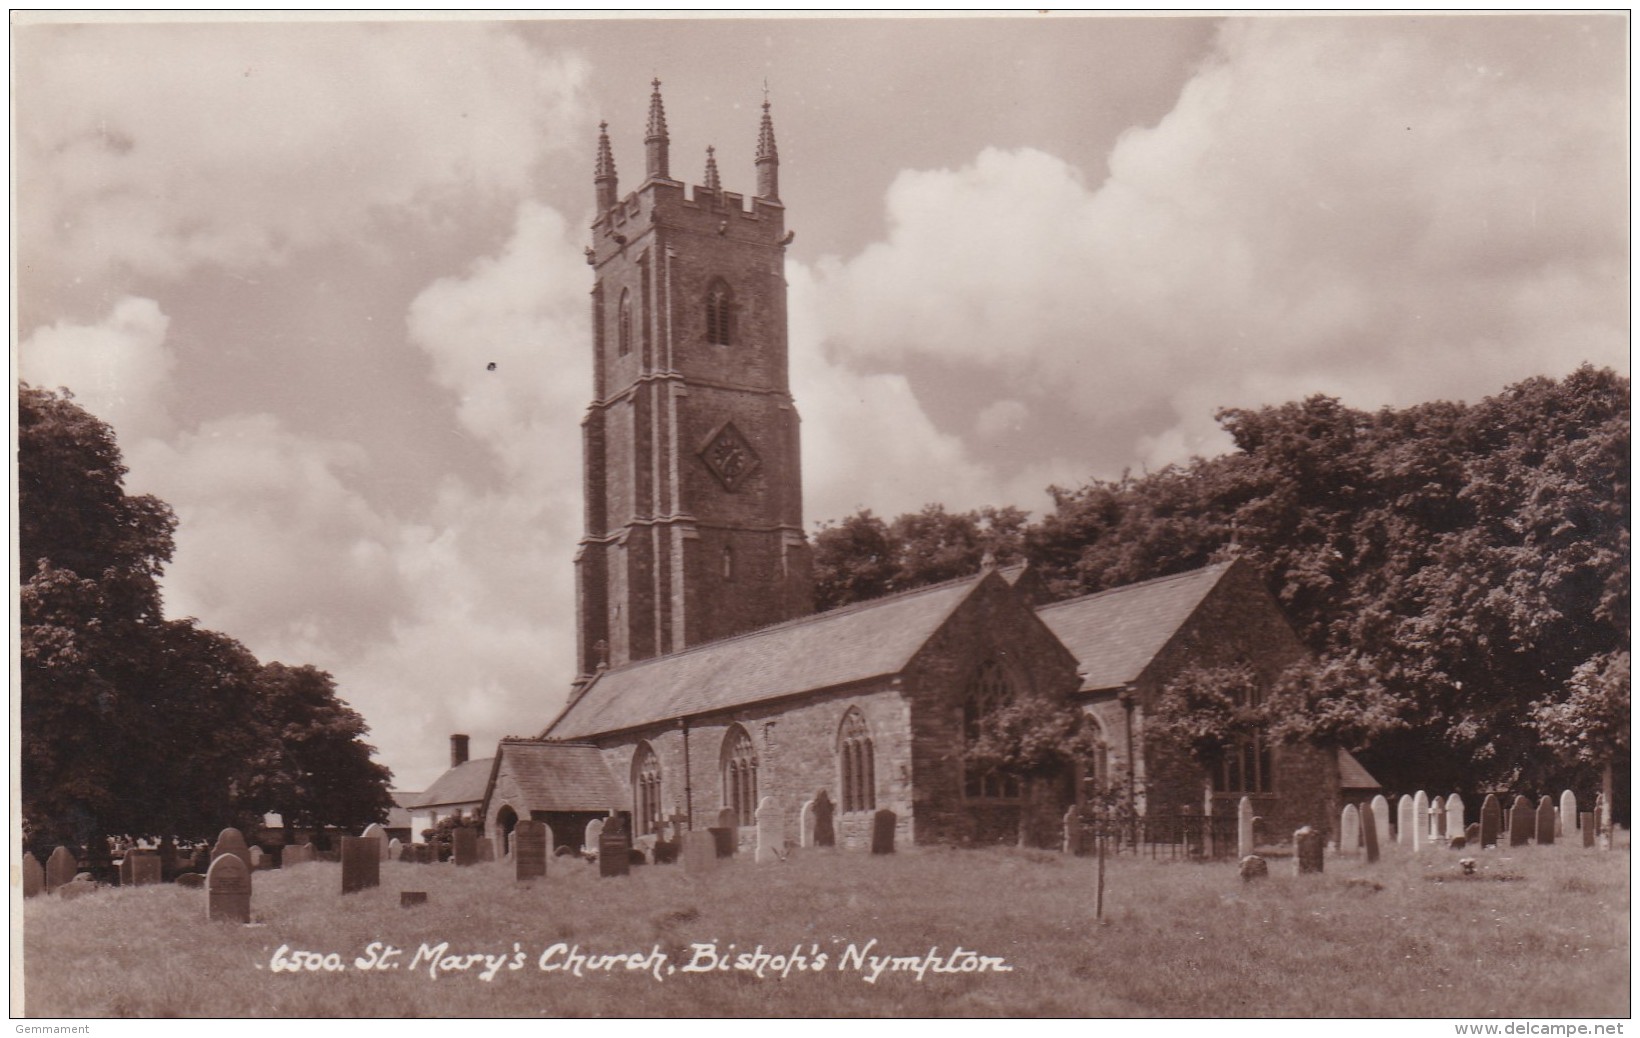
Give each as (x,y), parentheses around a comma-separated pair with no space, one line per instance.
(694,512)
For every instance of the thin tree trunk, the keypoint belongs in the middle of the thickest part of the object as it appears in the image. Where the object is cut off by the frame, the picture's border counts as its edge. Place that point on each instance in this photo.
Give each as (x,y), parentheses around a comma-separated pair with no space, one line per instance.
(1606,807)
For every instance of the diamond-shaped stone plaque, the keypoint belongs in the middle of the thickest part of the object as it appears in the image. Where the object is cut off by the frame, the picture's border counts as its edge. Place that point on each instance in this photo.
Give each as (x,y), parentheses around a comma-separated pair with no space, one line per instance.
(729,456)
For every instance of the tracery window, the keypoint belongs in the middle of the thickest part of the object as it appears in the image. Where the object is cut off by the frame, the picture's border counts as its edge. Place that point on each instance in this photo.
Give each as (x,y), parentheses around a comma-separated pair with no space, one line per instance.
(646,790)
(740,775)
(988,690)
(719,307)
(1245,767)
(857,761)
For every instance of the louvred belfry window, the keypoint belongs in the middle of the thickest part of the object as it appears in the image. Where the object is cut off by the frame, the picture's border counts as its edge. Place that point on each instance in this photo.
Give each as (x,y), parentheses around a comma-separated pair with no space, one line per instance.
(719,308)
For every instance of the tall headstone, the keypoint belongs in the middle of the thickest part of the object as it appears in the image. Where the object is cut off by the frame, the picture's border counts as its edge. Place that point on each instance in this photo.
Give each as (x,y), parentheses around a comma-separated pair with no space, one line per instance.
(144,866)
(1520,822)
(1454,815)
(1381,817)
(374,831)
(1244,828)
(825,832)
(1070,840)
(882,831)
(1420,820)
(1403,823)
(1568,814)
(805,824)
(1587,827)
(1369,832)
(1491,820)
(361,863)
(60,868)
(1309,846)
(34,876)
(167,858)
(614,848)
(1545,822)
(464,845)
(699,852)
(771,830)
(594,831)
(1437,820)
(1349,830)
(530,848)
(228,883)
(231,841)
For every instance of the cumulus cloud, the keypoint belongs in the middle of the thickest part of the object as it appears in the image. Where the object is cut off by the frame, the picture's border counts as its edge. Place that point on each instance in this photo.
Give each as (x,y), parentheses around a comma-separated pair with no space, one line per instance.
(1331,205)
(118,368)
(238,143)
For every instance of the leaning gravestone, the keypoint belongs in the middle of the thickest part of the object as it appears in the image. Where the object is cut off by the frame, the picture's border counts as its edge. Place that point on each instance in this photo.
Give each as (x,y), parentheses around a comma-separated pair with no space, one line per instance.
(805,824)
(1369,832)
(614,849)
(229,885)
(1472,834)
(1567,825)
(464,846)
(771,831)
(1381,816)
(60,869)
(882,831)
(231,841)
(1520,822)
(34,876)
(1308,848)
(530,843)
(1244,828)
(374,831)
(1491,820)
(1454,815)
(1420,820)
(595,829)
(699,852)
(1545,822)
(361,863)
(1349,830)
(825,832)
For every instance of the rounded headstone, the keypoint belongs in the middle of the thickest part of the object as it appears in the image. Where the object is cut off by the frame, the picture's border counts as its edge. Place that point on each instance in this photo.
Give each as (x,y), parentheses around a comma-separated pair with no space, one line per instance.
(1253,867)
(231,841)
(1309,846)
(229,885)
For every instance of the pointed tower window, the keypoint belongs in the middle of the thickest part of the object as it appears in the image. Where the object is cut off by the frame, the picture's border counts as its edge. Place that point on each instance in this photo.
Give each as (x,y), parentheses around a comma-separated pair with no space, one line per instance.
(719,308)
(623,319)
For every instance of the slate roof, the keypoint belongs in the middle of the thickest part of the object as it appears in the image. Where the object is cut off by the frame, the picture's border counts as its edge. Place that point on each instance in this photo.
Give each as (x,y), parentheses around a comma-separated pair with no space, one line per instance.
(398,816)
(462,784)
(558,776)
(1116,633)
(848,644)
(1351,775)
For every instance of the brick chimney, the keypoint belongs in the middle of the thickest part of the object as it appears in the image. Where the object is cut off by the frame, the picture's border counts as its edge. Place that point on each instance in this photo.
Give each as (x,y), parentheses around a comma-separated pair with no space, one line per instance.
(458,750)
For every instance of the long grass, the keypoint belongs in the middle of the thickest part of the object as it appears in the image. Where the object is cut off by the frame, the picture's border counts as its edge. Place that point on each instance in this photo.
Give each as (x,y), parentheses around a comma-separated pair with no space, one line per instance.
(1538,932)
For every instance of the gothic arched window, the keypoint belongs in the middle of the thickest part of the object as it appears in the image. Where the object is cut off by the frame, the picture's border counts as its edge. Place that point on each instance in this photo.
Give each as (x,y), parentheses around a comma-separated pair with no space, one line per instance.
(719,309)
(623,324)
(857,762)
(988,690)
(646,790)
(740,775)
(1099,772)
(1245,767)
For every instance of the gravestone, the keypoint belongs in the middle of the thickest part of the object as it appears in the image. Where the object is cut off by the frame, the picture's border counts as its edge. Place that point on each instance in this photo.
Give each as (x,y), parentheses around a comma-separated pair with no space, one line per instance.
(256,858)
(1071,839)
(825,831)
(1381,817)
(34,876)
(424,854)
(1437,819)
(1458,843)
(1349,830)
(191,880)
(127,863)
(60,868)
(374,831)
(1244,828)
(229,885)
(1472,834)
(1308,849)
(464,846)
(771,831)
(1568,814)
(1369,832)
(614,849)
(1520,822)
(1454,815)
(1587,827)
(1253,867)
(361,863)
(805,824)
(1491,820)
(594,831)
(1420,820)
(76,887)
(530,843)
(167,858)
(231,841)
(699,852)
(1403,822)
(486,850)
(1545,822)
(412,898)
(882,831)
(723,841)
(145,868)
(395,849)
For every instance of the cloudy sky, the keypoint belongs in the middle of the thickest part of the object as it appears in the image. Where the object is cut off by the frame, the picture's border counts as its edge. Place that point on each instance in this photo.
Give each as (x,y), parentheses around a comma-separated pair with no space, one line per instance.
(280,258)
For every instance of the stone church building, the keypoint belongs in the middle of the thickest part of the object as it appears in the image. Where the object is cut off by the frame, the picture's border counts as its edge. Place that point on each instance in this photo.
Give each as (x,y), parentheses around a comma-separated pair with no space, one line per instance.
(705,678)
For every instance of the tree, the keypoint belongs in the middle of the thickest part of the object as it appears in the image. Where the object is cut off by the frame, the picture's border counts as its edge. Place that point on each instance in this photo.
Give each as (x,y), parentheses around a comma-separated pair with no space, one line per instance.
(1031,737)
(1591,725)
(863,557)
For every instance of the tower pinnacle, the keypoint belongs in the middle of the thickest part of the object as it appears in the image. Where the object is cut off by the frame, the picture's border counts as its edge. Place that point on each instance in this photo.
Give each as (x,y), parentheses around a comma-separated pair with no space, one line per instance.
(768,157)
(656,141)
(603,174)
(713,183)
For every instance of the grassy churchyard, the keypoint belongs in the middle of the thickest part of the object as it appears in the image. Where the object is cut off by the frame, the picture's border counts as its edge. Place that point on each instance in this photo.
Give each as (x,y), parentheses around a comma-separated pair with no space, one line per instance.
(1538,932)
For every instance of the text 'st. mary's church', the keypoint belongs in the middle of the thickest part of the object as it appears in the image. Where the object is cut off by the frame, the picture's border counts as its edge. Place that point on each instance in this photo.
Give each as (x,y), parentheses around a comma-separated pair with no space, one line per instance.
(694,510)
(707,690)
